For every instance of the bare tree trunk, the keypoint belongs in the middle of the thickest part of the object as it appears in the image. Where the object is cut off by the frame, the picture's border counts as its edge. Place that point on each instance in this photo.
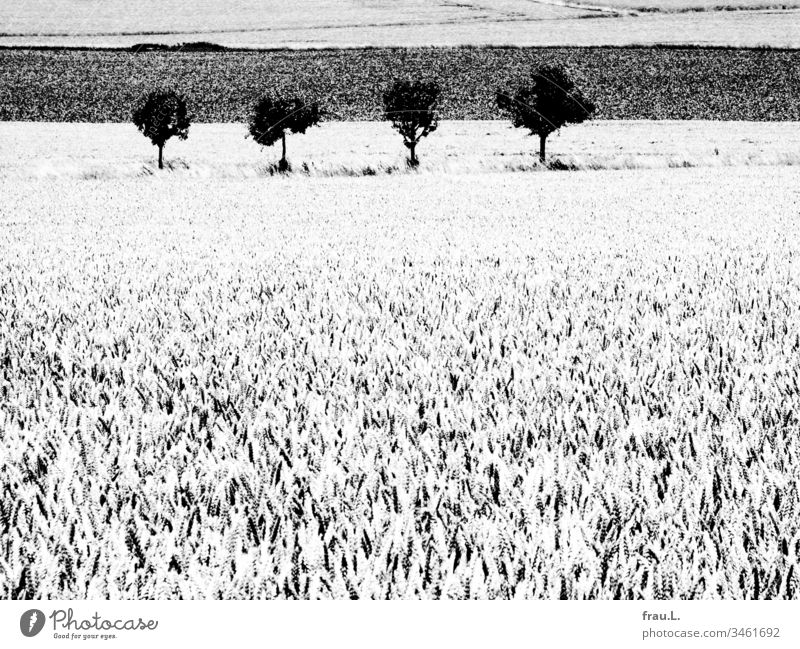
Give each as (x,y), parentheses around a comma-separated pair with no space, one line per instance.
(283,165)
(412,147)
(542,139)
(161,156)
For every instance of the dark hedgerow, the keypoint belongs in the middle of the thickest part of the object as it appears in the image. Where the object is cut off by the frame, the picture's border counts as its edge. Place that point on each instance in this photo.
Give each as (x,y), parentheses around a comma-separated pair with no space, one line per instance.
(547,104)
(413,109)
(273,116)
(161,115)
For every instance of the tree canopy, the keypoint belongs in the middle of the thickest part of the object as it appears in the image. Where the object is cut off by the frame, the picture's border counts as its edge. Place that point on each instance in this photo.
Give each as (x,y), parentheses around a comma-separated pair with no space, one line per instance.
(412,108)
(161,115)
(550,101)
(273,116)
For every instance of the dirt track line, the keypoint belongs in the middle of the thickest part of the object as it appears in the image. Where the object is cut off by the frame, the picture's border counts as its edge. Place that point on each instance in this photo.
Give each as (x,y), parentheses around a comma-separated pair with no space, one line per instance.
(611,11)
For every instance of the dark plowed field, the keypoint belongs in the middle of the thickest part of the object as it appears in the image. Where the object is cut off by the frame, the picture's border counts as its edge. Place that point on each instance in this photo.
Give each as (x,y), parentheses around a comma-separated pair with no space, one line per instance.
(625,83)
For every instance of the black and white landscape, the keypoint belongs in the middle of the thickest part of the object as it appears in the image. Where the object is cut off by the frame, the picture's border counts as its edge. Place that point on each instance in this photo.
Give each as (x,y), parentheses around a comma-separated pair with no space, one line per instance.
(349,337)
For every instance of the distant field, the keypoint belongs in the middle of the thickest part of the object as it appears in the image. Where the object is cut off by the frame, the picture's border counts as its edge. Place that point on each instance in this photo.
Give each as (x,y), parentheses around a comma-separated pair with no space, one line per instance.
(347,23)
(120,17)
(648,83)
(676,6)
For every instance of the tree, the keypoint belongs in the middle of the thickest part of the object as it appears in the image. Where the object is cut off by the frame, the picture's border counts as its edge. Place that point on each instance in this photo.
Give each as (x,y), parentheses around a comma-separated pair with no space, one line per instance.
(550,102)
(160,116)
(412,108)
(273,116)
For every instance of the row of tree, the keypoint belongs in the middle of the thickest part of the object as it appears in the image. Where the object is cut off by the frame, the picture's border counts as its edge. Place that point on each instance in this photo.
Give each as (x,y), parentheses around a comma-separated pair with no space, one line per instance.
(545,104)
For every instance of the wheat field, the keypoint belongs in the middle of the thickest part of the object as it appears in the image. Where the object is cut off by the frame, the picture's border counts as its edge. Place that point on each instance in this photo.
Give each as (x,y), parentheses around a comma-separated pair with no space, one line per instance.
(532,385)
